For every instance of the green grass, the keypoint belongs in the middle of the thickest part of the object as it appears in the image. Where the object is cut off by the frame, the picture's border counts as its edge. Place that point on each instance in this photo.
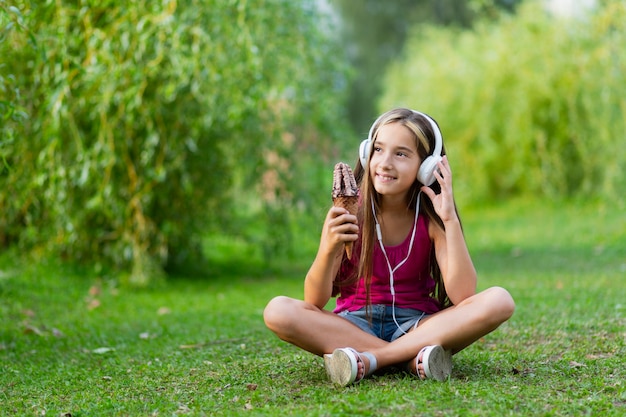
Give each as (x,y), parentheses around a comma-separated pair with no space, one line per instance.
(72,343)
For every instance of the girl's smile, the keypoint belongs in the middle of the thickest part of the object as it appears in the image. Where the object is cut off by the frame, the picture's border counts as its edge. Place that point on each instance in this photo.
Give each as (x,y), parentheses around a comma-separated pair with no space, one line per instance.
(385,178)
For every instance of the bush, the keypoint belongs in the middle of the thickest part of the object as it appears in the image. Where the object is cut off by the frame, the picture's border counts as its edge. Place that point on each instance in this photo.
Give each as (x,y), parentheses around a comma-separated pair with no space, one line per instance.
(11,114)
(150,119)
(530,104)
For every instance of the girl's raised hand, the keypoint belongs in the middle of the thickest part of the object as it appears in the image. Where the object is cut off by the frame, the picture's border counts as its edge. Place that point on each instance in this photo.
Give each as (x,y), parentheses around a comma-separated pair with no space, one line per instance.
(339,227)
(443,203)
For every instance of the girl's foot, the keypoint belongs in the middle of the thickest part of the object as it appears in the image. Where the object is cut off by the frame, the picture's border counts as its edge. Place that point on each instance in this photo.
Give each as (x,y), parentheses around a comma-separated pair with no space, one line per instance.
(433,362)
(346,366)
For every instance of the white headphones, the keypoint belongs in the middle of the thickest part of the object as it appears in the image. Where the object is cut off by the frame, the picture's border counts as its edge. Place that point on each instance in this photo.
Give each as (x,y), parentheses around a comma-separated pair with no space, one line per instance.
(425,175)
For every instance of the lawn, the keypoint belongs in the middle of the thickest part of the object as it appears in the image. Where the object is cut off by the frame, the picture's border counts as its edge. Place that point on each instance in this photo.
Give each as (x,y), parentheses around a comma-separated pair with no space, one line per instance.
(76,344)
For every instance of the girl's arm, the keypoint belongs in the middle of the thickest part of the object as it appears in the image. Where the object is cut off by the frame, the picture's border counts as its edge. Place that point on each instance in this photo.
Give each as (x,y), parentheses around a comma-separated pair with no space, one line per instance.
(455,263)
(339,227)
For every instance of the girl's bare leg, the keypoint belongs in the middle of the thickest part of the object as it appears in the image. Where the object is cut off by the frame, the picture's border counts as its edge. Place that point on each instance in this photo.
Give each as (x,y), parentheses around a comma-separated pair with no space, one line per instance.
(315,330)
(454,328)
(320,331)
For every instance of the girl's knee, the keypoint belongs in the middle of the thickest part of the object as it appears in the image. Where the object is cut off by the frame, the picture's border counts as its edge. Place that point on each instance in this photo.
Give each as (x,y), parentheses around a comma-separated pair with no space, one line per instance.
(501,302)
(278,312)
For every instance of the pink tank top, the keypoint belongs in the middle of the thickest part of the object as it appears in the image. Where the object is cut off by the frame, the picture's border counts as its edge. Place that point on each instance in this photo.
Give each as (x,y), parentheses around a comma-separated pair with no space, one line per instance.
(412,281)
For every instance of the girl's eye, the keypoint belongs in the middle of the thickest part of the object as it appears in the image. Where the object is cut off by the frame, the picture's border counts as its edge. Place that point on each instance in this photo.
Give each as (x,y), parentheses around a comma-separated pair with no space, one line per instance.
(401,154)
(376,148)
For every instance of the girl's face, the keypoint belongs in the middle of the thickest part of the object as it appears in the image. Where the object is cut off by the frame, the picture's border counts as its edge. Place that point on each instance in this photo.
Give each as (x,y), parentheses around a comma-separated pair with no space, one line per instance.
(395,161)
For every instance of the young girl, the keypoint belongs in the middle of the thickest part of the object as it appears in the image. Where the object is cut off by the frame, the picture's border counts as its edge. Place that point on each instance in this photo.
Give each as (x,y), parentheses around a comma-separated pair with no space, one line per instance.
(408,295)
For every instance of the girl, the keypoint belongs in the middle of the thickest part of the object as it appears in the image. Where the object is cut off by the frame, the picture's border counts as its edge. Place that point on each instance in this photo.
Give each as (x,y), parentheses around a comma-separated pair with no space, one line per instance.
(408,296)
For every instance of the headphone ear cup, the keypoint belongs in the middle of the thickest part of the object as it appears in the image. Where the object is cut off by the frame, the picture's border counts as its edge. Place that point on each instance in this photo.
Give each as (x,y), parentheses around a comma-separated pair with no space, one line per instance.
(364,152)
(426,175)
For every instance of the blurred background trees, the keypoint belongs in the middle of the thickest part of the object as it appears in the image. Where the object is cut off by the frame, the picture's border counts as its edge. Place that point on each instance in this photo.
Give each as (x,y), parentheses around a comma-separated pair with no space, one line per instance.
(11,115)
(375,34)
(531,104)
(150,123)
(143,136)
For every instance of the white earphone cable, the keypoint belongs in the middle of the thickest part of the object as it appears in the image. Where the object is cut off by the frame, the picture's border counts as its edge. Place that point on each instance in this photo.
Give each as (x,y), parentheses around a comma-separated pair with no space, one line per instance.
(379,235)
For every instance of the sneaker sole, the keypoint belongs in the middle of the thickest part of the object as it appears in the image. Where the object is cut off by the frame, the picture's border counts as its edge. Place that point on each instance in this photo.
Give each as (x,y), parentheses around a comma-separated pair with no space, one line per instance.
(341,367)
(437,363)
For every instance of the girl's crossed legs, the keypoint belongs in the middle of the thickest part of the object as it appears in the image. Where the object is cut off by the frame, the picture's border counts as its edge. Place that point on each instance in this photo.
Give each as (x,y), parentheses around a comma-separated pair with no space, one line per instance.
(321,332)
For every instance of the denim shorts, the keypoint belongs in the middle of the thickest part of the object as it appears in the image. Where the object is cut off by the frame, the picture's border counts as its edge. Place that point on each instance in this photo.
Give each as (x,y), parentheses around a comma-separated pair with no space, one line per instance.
(383,325)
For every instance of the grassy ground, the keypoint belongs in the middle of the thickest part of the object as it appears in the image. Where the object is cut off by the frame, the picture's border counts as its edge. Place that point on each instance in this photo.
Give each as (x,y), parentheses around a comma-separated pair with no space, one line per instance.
(75,344)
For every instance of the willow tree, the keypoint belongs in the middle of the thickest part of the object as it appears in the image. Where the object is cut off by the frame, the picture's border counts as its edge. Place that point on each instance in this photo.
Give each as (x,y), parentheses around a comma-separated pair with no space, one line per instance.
(145,116)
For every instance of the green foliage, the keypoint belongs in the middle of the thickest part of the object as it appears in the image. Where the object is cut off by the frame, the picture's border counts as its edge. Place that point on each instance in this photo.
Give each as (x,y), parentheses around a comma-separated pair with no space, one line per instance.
(11,114)
(376,32)
(153,121)
(530,104)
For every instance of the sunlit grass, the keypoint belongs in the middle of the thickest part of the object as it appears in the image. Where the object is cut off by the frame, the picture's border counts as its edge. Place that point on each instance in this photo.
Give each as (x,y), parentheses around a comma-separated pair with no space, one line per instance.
(76,343)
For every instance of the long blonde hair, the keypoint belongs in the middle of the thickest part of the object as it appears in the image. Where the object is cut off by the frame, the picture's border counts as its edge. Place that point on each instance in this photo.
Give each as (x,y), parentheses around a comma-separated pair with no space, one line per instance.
(425,141)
